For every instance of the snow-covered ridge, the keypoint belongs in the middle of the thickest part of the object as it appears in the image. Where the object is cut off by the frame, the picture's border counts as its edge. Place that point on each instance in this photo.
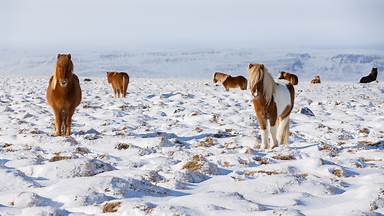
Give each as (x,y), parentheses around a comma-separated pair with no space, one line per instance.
(199,64)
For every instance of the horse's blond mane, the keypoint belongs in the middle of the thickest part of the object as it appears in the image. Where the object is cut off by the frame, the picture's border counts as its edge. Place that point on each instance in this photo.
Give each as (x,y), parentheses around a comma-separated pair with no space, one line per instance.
(64,62)
(259,73)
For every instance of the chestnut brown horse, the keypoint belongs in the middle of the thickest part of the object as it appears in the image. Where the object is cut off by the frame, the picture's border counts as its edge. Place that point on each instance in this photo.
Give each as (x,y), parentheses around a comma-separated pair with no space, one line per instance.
(234,82)
(272,102)
(219,77)
(119,82)
(316,80)
(63,94)
(229,81)
(292,78)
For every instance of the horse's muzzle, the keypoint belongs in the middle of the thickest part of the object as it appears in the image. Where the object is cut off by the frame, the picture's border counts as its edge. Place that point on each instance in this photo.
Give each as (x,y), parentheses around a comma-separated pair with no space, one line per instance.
(63,83)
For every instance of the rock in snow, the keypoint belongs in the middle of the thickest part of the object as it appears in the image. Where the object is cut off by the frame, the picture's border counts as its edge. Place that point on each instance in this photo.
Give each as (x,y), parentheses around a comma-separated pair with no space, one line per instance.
(306,111)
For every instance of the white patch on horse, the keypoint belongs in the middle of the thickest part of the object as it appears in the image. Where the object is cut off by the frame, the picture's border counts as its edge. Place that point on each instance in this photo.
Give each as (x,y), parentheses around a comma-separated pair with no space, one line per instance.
(282,98)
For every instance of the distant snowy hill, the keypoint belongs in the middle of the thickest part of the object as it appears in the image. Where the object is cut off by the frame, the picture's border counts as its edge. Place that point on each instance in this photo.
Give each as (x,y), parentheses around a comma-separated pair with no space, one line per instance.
(347,65)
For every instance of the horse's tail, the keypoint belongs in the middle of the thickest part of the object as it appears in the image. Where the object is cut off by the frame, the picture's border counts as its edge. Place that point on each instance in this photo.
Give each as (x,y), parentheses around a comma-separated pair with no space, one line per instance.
(245,84)
(125,84)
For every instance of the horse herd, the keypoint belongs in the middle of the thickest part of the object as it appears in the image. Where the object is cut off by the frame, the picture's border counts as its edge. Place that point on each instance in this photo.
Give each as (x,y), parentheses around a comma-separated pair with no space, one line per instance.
(272,101)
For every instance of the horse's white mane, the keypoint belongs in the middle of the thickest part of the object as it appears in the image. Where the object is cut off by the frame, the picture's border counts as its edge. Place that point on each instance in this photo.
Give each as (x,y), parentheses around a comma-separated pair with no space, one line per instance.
(259,73)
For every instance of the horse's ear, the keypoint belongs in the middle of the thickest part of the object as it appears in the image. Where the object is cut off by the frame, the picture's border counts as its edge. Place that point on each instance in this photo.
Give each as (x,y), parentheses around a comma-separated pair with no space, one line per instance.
(262,66)
(69,56)
(58,56)
(250,65)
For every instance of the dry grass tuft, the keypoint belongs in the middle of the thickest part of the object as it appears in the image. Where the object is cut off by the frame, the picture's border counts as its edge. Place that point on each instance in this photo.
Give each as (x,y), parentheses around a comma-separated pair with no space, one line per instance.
(111,207)
(268,172)
(122,146)
(6,145)
(366,142)
(82,150)
(283,157)
(195,164)
(249,151)
(363,131)
(372,159)
(337,172)
(227,164)
(261,160)
(58,157)
(207,142)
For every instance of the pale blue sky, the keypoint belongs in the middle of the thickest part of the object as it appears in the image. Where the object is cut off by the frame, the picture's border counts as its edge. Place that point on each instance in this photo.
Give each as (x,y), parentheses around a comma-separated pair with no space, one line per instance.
(119,24)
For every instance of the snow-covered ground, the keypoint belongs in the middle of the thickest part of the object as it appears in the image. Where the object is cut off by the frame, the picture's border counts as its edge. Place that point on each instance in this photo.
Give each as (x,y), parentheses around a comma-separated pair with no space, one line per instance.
(187,147)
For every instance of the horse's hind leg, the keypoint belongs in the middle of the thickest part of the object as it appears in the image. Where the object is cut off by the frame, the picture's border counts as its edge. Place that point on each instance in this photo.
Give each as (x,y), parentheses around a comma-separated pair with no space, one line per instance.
(119,93)
(282,134)
(274,142)
(125,90)
(58,122)
(115,91)
(286,133)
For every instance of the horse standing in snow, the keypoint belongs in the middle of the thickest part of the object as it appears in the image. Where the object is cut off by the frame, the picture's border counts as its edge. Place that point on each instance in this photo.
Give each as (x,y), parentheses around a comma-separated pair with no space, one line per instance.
(229,81)
(119,82)
(316,80)
(219,77)
(272,102)
(63,94)
(292,78)
(371,76)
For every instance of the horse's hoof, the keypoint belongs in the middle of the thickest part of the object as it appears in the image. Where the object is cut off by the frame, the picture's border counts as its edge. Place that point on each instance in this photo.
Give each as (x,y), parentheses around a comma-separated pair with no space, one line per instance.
(272,147)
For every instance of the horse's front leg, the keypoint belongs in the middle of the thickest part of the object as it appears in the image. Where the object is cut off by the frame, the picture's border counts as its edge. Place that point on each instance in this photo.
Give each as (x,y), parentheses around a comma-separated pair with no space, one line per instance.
(264,137)
(261,118)
(68,122)
(58,121)
(273,129)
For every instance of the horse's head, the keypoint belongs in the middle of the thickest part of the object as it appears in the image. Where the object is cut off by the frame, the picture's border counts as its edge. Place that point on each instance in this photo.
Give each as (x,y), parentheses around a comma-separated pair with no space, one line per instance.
(256,75)
(282,75)
(214,77)
(64,69)
(261,82)
(109,77)
(374,72)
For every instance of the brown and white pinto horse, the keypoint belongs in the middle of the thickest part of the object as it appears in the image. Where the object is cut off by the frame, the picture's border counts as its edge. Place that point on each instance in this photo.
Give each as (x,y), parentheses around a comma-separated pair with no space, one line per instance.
(63,94)
(272,102)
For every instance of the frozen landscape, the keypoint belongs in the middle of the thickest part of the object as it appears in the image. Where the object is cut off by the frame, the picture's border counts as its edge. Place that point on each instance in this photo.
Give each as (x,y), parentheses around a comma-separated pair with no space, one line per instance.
(179,146)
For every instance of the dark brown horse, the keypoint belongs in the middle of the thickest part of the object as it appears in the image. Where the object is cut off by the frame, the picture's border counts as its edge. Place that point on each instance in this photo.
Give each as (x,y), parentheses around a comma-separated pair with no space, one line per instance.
(63,94)
(371,76)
